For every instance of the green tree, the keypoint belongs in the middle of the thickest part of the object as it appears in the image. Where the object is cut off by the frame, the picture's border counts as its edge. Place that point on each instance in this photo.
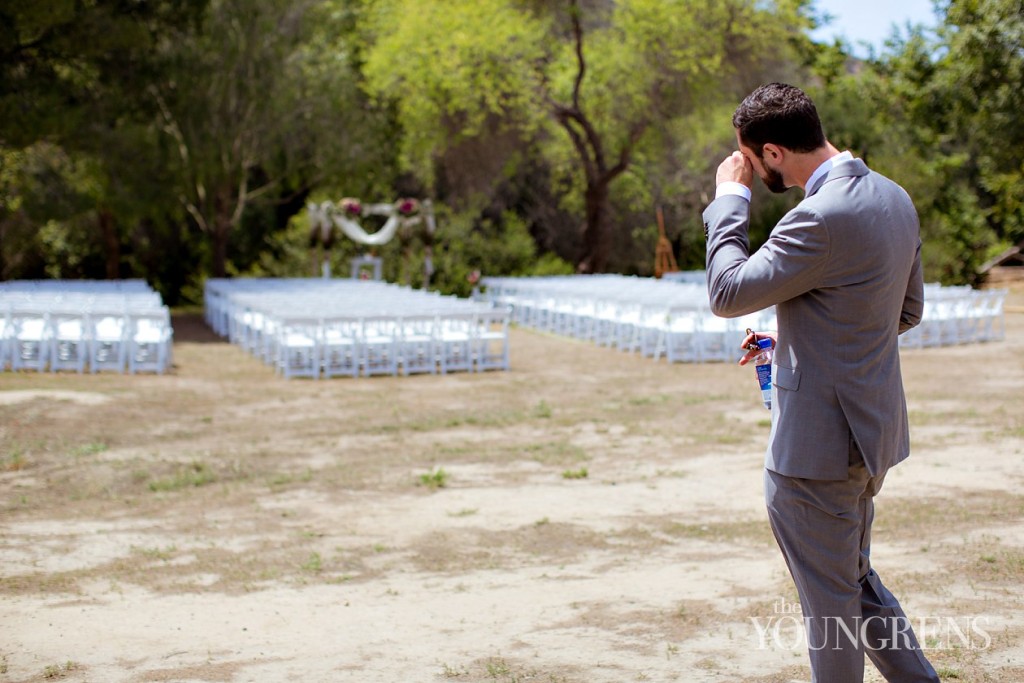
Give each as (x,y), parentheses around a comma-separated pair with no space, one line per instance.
(980,74)
(74,75)
(257,113)
(940,113)
(589,82)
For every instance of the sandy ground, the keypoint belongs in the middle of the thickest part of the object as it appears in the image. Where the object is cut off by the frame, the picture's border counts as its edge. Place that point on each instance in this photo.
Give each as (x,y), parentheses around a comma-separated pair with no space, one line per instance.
(588,517)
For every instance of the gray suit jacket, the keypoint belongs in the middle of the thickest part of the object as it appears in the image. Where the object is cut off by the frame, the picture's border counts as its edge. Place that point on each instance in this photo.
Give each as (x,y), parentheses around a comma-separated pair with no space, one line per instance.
(843,269)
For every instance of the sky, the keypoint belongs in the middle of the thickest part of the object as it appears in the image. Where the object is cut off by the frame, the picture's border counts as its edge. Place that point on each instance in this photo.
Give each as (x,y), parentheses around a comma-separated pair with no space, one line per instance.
(871,20)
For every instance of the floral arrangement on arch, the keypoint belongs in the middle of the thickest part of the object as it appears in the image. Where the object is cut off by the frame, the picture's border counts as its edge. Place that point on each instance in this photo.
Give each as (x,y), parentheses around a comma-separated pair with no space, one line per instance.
(407,207)
(404,212)
(351,206)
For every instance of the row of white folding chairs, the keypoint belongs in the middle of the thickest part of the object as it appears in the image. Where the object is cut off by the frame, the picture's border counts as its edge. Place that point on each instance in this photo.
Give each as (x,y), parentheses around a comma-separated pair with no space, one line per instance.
(60,300)
(245,319)
(590,317)
(67,286)
(606,309)
(681,332)
(958,315)
(234,305)
(656,319)
(594,286)
(315,346)
(137,340)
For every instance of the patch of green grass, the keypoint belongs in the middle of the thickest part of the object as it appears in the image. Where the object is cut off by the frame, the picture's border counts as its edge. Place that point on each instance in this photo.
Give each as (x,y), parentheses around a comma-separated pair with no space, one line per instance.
(88,449)
(542,410)
(556,452)
(1002,563)
(13,461)
(498,667)
(285,478)
(720,531)
(449,420)
(464,512)
(649,400)
(313,565)
(435,479)
(59,670)
(194,475)
(156,553)
(451,672)
(581,473)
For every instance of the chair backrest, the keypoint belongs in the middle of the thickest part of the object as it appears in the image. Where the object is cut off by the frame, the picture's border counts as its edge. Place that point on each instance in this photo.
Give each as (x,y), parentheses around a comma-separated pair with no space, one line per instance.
(107,326)
(149,325)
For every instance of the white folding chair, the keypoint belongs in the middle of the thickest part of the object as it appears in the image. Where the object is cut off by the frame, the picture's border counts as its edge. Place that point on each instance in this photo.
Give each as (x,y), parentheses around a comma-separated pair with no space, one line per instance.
(628,326)
(604,326)
(6,339)
(69,341)
(490,339)
(149,341)
(718,338)
(340,345)
(379,345)
(932,321)
(108,341)
(417,344)
(31,348)
(456,342)
(682,336)
(991,315)
(298,347)
(651,331)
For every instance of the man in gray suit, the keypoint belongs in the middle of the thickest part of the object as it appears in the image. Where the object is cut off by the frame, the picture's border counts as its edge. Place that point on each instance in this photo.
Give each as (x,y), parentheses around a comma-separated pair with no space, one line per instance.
(843,269)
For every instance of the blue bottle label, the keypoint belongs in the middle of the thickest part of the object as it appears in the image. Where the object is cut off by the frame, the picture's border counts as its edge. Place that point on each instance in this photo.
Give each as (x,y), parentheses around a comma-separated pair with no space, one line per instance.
(764,378)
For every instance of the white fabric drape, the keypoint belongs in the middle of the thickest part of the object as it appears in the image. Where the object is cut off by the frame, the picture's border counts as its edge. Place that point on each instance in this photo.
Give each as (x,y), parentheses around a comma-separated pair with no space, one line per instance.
(326,213)
(356,233)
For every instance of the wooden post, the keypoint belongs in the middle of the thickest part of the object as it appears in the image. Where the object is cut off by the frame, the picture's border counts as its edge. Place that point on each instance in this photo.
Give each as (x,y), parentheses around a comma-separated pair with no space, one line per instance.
(664,260)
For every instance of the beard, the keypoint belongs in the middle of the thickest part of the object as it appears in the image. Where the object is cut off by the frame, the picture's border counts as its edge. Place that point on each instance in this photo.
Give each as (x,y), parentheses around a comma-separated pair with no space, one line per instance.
(772,179)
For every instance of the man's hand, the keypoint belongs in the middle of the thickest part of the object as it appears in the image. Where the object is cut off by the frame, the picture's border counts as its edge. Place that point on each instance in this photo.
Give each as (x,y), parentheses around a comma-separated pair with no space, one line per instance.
(735,168)
(752,339)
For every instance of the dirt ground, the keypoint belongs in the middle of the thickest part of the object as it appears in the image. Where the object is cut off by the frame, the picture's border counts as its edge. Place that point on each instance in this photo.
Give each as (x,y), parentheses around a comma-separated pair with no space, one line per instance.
(588,517)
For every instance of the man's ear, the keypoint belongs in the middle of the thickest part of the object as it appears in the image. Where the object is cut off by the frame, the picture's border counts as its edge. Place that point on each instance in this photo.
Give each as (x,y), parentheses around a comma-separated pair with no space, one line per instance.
(771,152)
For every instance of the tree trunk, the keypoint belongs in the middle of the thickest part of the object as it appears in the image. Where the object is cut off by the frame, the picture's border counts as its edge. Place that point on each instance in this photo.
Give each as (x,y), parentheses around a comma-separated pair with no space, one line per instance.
(219,237)
(596,238)
(111,243)
(221,232)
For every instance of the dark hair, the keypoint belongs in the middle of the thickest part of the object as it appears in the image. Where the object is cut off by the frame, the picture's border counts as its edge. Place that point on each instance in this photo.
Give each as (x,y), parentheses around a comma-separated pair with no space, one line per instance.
(780,114)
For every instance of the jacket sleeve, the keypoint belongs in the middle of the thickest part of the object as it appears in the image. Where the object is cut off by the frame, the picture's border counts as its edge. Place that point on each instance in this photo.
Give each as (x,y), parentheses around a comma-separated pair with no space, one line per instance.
(913,300)
(789,264)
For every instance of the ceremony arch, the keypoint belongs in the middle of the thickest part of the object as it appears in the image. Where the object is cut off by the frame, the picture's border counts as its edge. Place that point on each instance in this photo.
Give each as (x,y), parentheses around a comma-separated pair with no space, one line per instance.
(327,217)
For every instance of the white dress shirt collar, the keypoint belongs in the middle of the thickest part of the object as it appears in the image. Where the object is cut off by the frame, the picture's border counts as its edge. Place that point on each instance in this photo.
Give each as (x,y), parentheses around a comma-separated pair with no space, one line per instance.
(825,167)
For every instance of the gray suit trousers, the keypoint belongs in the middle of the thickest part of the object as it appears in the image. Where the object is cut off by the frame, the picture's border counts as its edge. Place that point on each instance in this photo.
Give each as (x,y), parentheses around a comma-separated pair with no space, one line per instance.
(824,531)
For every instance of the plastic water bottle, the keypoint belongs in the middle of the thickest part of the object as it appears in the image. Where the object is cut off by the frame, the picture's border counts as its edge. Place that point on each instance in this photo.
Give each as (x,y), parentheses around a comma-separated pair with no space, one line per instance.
(763,368)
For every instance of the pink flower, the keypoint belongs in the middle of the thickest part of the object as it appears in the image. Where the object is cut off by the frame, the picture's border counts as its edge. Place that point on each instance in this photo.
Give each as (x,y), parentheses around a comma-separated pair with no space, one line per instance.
(351,206)
(407,207)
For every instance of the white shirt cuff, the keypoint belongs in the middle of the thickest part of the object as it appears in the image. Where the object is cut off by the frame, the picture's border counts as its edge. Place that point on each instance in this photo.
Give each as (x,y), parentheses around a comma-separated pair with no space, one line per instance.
(732,187)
